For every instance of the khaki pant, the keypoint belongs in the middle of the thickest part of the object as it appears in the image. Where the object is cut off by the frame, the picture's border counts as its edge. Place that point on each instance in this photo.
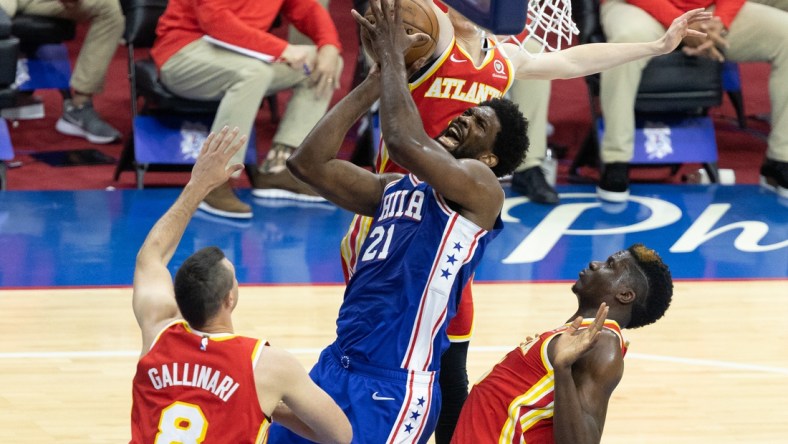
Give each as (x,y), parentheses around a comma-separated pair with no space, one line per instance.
(758,34)
(101,42)
(533,99)
(204,71)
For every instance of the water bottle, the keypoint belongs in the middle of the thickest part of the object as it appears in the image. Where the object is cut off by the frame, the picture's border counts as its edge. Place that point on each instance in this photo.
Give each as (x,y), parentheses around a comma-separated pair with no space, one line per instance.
(550,167)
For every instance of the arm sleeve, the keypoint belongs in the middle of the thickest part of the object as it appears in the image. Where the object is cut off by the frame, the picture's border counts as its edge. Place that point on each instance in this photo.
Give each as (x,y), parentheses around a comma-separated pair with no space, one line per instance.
(454,390)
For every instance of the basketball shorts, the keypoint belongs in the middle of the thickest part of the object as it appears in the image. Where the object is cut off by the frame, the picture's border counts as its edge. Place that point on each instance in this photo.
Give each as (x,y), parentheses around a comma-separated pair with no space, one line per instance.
(383,405)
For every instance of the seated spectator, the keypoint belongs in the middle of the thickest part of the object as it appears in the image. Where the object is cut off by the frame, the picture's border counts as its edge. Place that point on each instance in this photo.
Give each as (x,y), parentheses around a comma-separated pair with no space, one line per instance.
(533,98)
(106,28)
(194,67)
(742,31)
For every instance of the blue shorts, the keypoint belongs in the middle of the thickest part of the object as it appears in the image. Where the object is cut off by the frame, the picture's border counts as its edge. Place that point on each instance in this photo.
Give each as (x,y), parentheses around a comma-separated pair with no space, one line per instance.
(383,405)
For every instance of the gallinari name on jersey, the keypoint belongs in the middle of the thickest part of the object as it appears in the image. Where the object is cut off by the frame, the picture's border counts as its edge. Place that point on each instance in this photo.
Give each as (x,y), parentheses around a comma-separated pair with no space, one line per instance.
(194,375)
(456,89)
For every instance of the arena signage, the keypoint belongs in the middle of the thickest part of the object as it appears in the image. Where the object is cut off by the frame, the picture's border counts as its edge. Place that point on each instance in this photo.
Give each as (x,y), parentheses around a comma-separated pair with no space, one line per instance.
(703,231)
(559,221)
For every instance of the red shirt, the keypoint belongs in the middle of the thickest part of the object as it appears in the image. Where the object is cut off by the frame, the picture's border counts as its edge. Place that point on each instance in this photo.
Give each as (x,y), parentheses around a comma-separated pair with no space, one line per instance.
(513,403)
(665,11)
(243,23)
(190,389)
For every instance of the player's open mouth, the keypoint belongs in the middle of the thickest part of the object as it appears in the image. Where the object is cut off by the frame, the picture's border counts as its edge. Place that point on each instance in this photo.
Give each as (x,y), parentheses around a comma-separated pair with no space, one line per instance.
(451,137)
(454,132)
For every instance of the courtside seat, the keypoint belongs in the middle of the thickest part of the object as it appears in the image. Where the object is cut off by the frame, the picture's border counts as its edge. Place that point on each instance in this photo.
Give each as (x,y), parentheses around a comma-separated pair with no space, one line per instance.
(158,115)
(44,62)
(671,106)
(160,97)
(36,30)
(7,97)
(9,51)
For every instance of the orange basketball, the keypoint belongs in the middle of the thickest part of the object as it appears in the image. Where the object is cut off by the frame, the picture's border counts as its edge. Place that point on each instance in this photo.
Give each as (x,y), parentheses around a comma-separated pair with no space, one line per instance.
(417,16)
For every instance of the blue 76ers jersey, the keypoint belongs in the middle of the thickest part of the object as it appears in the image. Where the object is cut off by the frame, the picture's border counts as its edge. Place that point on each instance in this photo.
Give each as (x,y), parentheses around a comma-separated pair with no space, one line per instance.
(417,257)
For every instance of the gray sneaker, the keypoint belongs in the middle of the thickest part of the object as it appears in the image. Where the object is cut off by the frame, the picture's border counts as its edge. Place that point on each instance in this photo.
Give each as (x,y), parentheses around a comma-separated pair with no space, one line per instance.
(85,122)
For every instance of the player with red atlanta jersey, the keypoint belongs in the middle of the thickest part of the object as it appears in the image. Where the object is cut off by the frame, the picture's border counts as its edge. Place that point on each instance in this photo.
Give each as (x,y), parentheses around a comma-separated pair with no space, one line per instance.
(210,376)
(555,388)
(196,380)
(514,401)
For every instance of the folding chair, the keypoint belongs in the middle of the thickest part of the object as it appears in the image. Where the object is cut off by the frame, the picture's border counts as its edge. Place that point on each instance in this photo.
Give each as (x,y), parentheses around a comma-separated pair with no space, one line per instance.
(9,50)
(672,122)
(167,130)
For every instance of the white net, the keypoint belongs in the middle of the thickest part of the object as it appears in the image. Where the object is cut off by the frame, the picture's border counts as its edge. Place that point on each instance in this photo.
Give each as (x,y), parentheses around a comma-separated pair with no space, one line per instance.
(549,27)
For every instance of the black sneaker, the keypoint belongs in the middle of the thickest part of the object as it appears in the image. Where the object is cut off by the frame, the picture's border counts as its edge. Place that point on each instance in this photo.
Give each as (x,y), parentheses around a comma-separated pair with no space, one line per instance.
(84,121)
(532,184)
(614,182)
(774,177)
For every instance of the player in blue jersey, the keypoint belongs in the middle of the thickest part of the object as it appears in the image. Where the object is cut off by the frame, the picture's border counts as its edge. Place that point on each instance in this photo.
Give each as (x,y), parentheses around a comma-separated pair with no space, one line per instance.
(430,230)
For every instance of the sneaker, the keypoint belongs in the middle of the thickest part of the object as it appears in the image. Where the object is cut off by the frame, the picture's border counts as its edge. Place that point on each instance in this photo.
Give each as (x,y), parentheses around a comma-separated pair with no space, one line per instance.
(614,182)
(283,185)
(223,202)
(774,177)
(532,184)
(275,160)
(85,122)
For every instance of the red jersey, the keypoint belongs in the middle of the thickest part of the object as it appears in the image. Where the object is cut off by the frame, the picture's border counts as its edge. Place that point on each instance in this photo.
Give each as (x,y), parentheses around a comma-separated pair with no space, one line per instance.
(193,388)
(451,85)
(513,403)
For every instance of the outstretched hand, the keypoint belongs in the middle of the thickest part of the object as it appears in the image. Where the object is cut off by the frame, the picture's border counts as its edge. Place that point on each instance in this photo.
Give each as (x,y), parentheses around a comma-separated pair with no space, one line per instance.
(211,169)
(684,26)
(387,35)
(573,343)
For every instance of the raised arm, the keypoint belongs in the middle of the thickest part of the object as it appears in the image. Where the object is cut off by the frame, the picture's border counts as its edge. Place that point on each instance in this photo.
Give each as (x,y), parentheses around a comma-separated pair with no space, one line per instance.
(467,182)
(588,366)
(315,161)
(583,60)
(153,297)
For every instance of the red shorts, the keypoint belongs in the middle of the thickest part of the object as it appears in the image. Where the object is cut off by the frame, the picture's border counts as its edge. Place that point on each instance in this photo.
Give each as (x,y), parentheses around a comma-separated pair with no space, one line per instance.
(460,328)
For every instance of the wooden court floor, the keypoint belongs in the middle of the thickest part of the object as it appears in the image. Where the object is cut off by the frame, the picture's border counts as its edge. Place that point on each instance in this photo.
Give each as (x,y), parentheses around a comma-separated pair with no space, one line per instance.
(714,370)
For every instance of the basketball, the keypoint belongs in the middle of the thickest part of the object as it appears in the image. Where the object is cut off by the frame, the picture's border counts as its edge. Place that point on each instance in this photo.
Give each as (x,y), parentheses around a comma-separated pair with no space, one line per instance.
(417,17)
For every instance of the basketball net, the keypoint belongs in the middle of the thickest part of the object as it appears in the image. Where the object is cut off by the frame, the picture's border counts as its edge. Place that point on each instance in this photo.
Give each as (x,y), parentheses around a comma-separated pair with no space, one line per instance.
(548,23)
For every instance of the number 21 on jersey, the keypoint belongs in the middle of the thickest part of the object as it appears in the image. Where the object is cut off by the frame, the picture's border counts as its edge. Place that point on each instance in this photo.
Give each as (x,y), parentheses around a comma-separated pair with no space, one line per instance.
(375,250)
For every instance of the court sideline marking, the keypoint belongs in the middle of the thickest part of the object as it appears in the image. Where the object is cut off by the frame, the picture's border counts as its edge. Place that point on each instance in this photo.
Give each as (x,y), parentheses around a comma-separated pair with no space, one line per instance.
(480,349)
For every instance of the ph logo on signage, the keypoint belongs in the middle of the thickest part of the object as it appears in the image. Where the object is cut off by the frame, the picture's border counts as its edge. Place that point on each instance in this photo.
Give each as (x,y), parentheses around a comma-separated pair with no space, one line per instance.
(652,214)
